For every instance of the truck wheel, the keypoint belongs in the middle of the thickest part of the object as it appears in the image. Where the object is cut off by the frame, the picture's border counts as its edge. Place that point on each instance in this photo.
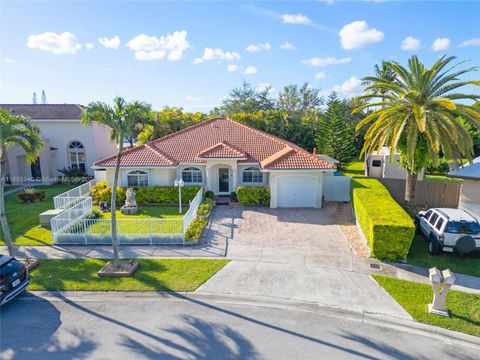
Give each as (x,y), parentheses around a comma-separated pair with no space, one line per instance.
(418,229)
(433,247)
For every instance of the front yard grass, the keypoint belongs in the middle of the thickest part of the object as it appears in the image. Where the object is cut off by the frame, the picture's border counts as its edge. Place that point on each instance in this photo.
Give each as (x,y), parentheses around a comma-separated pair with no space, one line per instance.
(355,168)
(414,298)
(151,275)
(419,256)
(151,211)
(23,218)
(442,178)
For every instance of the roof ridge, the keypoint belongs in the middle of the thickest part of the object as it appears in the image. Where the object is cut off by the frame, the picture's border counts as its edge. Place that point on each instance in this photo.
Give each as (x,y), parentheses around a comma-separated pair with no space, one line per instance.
(126,151)
(276,156)
(161,153)
(194,126)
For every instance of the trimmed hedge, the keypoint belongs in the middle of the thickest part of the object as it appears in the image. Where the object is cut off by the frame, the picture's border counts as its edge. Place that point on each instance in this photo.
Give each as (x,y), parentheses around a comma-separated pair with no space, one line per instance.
(388,228)
(254,195)
(194,230)
(205,207)
(144,195)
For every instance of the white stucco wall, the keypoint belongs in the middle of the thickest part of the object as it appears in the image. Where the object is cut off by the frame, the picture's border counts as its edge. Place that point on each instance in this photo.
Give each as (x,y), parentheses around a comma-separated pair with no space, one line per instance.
(59,134)
(470,197)
(156,176)
(273,183)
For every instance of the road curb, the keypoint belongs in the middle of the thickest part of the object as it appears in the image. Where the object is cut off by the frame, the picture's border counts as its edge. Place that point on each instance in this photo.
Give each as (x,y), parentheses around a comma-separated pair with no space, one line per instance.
(376,319)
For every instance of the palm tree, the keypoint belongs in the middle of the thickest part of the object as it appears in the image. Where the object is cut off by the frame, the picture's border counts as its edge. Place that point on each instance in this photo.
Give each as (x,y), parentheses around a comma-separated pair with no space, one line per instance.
(15,130)
(416,113)
(124,120)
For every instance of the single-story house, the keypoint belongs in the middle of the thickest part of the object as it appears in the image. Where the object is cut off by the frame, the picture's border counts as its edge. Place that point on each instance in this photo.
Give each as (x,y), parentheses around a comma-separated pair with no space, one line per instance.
(470,192)
(381,164)
(68,143)
(221,154)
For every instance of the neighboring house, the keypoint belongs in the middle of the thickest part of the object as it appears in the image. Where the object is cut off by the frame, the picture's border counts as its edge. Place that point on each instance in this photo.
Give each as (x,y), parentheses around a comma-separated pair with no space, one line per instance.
(381,164)
(68,143)
(470,192)
(222,154)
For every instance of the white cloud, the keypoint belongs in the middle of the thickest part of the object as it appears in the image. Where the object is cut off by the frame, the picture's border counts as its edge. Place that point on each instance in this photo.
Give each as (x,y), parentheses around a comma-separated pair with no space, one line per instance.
(113,43)
(193,99)
(349,87)
(64,43)
(322,62)
(233,68)
(89,46)
(259,47)
(287,46)
(296,19)
(9,60)
(171,46)
(217,54)
(441,44)
(247,70)
(411,44)
(250,70)
(320,75)
(470,42)
(358,34)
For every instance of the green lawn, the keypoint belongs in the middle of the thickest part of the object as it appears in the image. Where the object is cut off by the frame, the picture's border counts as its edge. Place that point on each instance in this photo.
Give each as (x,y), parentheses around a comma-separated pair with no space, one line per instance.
(356,168)
(23,218)
(418,255)
(151,211)
(441,178)
(414,298)
(151,275)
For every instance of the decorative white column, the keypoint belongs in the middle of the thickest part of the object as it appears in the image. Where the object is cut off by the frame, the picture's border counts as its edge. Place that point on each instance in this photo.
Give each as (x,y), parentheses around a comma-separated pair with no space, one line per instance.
(235,177)
(208,178)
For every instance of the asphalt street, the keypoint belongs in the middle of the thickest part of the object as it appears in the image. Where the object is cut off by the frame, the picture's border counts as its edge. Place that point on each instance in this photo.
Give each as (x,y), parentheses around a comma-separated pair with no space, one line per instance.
(177,327)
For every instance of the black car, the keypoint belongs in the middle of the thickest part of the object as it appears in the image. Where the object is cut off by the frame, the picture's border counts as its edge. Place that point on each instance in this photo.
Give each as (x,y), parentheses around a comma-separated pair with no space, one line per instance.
(13,278)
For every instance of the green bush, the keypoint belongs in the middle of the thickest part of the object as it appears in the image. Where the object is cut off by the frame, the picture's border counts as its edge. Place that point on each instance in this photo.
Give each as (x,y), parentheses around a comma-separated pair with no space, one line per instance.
(145,195)
(254,195)
(209,194)
(194,230)
(388,228)
(205,207)
(31,195)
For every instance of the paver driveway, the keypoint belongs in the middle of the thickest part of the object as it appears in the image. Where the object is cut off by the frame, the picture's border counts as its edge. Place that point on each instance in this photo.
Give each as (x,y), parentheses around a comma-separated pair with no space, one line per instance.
(279,235)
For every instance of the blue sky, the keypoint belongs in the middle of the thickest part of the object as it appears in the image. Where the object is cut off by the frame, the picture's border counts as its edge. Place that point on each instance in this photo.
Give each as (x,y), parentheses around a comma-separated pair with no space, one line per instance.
(191,54)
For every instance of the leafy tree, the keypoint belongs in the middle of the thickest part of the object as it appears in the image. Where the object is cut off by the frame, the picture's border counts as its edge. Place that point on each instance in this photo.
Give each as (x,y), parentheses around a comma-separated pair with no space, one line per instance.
(416,113)
(15,130)
(334,136)
(34,99)
(123,119)
(299,101)
(44,97)
(246,99)
(168,121)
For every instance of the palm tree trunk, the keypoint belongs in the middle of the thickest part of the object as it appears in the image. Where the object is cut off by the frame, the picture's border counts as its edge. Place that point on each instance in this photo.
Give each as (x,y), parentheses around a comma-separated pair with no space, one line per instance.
(3,216)
(113,206)
(411,189)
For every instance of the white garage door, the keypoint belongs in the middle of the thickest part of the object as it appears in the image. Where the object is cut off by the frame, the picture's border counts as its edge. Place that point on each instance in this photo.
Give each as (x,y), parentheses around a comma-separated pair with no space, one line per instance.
(296,191)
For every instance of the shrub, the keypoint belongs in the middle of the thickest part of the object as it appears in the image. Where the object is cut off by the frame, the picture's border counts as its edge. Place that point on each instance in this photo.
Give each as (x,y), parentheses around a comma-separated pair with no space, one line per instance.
(205,207)
(209,194)
(144,195)
(254,195)
(95,214)
(233,196)
(195,229)
(440,168)
(31,195)
(388,228)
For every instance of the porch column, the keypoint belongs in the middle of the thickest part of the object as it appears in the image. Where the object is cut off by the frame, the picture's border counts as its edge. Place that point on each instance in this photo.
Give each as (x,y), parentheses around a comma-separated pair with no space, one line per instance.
(235,177)
(208,178)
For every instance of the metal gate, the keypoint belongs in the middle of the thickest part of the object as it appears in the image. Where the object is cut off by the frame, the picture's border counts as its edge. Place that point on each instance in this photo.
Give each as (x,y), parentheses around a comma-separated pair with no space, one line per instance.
(336,188)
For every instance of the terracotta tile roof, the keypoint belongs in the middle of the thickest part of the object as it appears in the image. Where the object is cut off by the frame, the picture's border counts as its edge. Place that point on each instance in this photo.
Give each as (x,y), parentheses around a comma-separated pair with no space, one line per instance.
(222,150)
(220,137)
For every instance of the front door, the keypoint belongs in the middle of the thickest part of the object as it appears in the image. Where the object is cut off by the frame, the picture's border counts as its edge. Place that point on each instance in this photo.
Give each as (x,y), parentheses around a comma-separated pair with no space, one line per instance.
(223,180)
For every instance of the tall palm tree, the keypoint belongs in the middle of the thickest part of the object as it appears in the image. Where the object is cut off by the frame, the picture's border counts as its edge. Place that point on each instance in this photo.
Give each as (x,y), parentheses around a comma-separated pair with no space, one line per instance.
(124,120)
(15,130)
(415,112)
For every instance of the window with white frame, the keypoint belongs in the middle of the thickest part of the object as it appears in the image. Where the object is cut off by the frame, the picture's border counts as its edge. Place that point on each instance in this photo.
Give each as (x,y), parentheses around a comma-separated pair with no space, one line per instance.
(192,175)
(137,178)
(76,155)
(252,175)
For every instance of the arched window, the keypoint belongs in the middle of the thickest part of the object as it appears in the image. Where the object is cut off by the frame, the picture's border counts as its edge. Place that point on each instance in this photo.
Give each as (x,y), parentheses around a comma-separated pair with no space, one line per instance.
(252,175)
(192,175)
(137,178)
(76,155)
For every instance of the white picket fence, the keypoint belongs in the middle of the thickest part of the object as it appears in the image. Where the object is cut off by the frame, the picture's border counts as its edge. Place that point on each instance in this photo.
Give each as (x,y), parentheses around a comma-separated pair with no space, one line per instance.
(72,227)
(73,196)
